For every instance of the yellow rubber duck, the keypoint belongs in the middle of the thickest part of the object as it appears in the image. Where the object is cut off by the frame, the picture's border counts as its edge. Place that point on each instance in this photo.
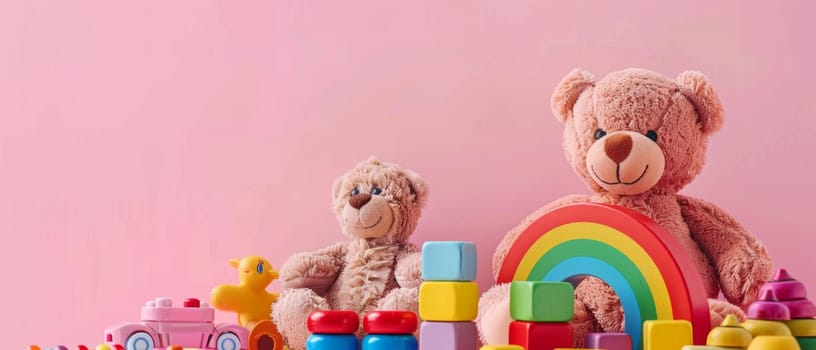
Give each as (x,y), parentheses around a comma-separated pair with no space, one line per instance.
(249,298)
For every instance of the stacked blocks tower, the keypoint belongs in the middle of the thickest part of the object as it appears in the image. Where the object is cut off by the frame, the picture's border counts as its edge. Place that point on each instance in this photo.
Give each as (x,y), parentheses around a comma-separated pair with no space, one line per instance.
(766,316)
(541,313)
(390,330)
(448,297)
(609,341)
(333,330)
(793,294)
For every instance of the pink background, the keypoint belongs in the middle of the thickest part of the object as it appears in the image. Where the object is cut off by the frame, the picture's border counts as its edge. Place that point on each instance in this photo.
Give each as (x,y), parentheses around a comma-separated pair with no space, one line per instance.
(142,145)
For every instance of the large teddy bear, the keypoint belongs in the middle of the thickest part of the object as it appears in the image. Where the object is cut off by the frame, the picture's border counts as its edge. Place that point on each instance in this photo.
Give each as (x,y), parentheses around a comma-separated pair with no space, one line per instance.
(378,206)
(636,138)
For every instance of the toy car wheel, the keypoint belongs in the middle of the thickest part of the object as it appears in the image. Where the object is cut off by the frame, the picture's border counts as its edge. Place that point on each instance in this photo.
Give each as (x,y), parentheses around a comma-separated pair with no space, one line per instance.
(228,341)
(139,341)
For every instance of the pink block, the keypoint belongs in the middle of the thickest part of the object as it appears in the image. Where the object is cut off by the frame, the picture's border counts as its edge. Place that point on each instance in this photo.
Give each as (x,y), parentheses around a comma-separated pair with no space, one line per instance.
(448,336)
(609,341)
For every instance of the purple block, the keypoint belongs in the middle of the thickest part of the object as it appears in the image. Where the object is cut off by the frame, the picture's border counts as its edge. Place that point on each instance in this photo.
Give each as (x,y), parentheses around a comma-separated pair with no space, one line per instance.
(609,341)
(448,336)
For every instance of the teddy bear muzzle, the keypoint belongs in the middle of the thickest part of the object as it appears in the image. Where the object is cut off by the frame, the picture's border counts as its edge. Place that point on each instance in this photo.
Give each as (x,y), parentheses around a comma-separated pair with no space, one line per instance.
(625,162)
(368,216)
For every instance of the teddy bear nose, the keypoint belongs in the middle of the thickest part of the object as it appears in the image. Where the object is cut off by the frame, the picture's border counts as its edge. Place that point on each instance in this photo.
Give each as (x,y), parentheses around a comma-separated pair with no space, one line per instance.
(618,147)
(357,201)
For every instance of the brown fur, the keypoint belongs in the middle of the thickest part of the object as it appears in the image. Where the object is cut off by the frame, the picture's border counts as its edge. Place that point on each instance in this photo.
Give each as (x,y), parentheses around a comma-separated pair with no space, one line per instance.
(377,269)
(683,112)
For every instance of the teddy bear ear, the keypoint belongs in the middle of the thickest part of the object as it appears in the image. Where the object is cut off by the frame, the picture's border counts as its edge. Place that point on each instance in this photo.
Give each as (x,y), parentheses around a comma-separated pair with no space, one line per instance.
(418,187)
(695,86)
(567,92)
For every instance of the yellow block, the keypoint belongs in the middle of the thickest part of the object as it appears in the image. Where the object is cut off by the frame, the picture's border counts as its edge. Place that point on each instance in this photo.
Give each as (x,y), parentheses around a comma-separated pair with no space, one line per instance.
(501,347)
(803,327)
(448,301)
(667,335)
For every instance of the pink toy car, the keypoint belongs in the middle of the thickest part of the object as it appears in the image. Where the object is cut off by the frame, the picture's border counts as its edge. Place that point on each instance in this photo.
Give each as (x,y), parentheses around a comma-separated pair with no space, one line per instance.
(190,326)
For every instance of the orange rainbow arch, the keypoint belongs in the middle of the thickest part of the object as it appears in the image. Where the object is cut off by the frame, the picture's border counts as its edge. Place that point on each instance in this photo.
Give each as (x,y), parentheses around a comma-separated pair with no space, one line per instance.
(650,272)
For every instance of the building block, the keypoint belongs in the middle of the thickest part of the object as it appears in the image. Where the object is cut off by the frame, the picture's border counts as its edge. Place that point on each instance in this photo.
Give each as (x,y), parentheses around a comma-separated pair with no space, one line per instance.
(333,322)
(103,347)
(706,347)
(540,336)
(806,343)
(390,322)
(729,334)
(785,287)
(448,301)
(448,336)
(501,347)
(332,342)
(389,342)
(773,342)
(609,341)
(448,261)
(666,335)
(537,301)
(803,327)
(767,307)
(762,327)
(800,308)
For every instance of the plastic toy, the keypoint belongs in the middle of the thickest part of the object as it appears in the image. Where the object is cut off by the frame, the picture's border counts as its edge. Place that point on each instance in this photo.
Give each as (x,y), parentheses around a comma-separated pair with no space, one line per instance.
(640,260)
(765,316)
(666,335)
(249,298)
(729,334)
(540,336)
(448,301)
(332,330)
(536,301)
(163,325)
(333,322)
(390,330)
(377,205)
(448,336)
(251,302)
(771,342)
(780,293)
(609,341)
(449,261)
(390,322)
(501,347)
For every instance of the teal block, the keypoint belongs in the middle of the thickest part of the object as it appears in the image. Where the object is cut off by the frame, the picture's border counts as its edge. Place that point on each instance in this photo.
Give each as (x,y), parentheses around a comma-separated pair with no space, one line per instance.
(389,342)
(448,261)
(332,342)
(535,301)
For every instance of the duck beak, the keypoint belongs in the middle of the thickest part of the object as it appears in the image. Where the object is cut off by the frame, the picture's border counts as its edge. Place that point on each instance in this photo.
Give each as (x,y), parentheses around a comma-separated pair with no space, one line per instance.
(274,274)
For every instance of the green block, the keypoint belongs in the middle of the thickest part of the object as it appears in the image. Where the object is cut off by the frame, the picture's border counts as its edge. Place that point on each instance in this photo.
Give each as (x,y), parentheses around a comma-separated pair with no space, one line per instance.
(535,301)
(807,343)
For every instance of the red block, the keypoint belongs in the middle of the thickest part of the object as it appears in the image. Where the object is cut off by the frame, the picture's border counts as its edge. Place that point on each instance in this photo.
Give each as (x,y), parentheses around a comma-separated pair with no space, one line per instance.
(390,322)
(333,322)
(540,336)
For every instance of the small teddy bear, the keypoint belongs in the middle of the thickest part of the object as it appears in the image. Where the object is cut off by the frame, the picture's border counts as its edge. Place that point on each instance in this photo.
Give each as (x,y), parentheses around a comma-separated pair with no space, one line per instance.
(636,138)
(378,206)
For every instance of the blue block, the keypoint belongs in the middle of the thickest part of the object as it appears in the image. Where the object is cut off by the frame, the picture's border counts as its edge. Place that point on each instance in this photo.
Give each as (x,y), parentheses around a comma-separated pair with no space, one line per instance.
(390,342)
(332,342)
(448,261)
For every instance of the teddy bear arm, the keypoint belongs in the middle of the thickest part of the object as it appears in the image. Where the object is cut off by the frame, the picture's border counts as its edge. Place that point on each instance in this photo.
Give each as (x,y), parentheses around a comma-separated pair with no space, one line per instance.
(314,270)
(510,237)
(742,262)
(408,271)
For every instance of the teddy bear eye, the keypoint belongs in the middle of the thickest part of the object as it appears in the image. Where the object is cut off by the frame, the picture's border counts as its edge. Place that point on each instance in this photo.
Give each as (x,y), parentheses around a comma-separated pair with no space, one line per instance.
(355,191)
(652,135)
(599,133)
(376,190)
